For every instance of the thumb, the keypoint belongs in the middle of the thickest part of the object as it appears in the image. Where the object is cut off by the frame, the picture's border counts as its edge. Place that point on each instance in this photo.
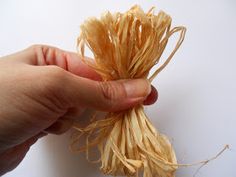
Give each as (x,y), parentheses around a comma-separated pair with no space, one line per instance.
(106,96)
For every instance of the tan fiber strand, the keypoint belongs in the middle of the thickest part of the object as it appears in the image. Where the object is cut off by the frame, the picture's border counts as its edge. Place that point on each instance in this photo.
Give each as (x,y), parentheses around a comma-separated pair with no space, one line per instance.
(127,46)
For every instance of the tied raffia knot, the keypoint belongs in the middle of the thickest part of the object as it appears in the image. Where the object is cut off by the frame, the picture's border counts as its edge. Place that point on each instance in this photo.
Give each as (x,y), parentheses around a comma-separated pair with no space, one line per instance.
(126,46)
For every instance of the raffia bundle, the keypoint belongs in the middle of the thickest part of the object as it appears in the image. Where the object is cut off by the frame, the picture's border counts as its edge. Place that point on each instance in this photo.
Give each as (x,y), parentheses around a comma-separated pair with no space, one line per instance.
(127,46)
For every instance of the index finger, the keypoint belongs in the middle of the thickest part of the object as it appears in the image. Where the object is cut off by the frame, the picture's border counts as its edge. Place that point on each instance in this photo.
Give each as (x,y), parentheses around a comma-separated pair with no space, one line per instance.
(42,55)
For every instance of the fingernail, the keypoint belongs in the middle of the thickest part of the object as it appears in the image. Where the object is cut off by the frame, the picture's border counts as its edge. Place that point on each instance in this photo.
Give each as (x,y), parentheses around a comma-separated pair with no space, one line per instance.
(152,97)
(137,88)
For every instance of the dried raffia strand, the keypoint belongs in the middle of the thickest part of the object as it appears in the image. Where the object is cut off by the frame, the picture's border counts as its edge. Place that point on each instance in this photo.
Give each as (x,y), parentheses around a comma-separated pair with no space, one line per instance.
(127,46)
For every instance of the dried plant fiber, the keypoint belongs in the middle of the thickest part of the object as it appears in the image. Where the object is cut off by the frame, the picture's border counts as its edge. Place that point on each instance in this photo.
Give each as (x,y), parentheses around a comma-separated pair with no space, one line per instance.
(126,46)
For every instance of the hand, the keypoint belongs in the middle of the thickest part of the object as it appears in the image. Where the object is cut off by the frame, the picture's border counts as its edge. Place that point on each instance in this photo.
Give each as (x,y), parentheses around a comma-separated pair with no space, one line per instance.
(43,89)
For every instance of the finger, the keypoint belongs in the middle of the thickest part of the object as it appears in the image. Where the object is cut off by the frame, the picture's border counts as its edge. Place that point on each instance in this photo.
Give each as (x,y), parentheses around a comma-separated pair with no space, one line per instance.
(152,97)
(60,126)
(69,61)
(13,156)
(74,113)
(41,55)
(106,96)
(64,123)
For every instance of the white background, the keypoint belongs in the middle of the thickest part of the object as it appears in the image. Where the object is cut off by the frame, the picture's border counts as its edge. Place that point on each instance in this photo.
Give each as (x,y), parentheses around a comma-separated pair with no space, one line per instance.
(197,100)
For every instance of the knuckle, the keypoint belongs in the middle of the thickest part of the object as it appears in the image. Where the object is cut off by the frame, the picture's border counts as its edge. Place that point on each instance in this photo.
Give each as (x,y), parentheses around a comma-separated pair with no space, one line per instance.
(56,71)
(51,87)
(35,47)
(54,78)
(112,91)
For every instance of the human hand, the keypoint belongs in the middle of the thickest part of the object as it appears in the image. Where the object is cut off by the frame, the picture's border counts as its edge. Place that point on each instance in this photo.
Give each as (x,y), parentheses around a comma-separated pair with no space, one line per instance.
(43,89)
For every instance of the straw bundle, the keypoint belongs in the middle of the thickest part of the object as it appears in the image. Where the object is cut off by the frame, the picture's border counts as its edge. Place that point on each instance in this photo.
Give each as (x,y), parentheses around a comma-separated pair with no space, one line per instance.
(126,46)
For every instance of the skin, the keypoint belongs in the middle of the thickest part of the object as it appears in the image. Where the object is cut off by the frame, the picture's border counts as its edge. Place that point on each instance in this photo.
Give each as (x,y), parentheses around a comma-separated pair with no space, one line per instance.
(44,89)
